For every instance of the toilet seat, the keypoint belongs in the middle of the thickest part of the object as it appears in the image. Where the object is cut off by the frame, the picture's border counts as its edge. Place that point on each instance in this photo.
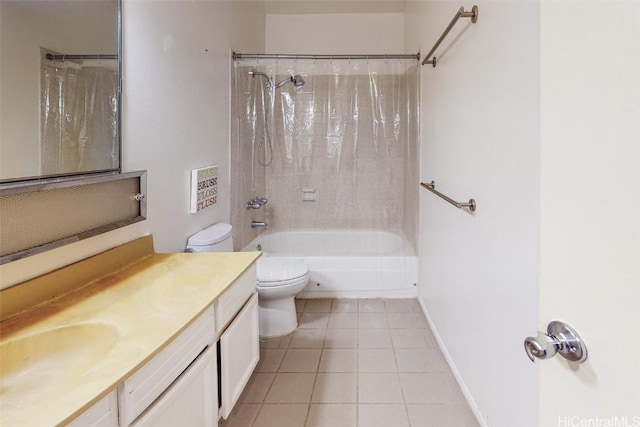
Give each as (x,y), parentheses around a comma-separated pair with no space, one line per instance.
(284,282)
(275,272)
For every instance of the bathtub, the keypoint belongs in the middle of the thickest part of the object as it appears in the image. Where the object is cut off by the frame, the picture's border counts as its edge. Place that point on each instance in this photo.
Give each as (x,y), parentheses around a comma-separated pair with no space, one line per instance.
(347,264)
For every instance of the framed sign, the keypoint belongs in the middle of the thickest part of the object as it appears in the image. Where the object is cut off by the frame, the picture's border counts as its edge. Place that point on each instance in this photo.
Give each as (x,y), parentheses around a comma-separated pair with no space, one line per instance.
(204,188)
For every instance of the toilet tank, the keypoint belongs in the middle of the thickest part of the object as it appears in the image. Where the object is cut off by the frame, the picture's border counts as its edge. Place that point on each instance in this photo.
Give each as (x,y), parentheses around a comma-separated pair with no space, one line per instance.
(215,238)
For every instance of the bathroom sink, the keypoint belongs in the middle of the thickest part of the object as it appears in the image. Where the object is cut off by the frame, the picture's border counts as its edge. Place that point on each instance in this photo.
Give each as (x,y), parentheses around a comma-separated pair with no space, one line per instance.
(34,366)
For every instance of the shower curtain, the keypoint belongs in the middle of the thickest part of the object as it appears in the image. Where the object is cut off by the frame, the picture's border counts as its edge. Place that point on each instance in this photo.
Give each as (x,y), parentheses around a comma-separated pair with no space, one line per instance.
(347,139)
(78,114)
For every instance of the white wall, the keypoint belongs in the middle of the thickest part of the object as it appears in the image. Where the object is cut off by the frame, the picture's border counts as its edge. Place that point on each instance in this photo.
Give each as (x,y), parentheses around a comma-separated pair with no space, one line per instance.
(176,104)
(480,123)
(335,33)
(62,26)
(176,58)
(590,231)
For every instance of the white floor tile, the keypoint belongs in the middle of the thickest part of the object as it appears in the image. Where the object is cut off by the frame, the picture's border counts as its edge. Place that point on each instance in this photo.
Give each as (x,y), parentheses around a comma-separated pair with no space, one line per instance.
(429,338)
(281,415)
(300,303)
(291,388)
(335,388)
(257,387)
(371,306)
(404,321)
(344,306)
(382,416)
(431,387)
(421,360)
(376,360)
(270,360)
(408,338)
(332,415)
(341,338)
(372,320)
(374,338)
(399,305)
(242,416)
(301,360)
(279,342)
(421,320)
(339,360)
(307,338)
(343,321)
(379,388)
(434,415)
(313,320)
(318,306)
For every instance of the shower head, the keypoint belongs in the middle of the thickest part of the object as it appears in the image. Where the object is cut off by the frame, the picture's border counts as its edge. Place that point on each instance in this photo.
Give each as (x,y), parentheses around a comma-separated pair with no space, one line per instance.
(297,80)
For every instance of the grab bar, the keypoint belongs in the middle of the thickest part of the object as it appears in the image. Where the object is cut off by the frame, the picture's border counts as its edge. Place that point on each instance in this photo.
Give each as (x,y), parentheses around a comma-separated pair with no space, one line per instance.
(432,187)
(459,14)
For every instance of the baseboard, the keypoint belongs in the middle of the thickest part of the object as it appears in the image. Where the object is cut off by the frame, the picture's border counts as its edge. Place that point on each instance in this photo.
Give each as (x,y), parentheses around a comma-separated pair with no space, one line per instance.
(465,390)
(394,293)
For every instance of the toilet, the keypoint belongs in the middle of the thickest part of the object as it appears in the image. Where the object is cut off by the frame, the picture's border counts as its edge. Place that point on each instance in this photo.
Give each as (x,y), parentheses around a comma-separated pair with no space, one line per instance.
(279,280)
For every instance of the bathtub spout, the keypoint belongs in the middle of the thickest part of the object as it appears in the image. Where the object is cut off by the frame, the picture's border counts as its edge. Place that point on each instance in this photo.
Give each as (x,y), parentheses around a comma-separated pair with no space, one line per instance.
(257,224)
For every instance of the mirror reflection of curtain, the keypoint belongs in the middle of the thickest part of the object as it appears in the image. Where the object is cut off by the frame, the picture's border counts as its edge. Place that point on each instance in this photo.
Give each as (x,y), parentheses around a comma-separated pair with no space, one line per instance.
(78,117)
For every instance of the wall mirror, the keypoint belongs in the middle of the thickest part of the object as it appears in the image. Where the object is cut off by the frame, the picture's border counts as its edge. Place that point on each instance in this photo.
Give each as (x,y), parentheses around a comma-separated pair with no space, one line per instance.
(59,88)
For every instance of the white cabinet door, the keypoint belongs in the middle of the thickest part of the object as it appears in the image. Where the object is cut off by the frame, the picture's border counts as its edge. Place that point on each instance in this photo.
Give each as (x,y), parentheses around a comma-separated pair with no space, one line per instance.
(102,414)
(190,400)
(239,354)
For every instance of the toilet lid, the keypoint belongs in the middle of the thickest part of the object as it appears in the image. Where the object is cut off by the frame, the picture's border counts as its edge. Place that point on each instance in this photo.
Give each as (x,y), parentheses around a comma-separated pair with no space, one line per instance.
(279,269)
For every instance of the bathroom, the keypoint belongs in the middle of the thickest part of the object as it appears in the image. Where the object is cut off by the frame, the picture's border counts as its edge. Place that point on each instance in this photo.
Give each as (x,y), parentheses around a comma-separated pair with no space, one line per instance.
(504,118)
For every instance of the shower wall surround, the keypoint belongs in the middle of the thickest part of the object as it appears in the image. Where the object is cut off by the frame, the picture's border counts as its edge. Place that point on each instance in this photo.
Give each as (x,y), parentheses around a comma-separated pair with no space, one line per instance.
(350,133)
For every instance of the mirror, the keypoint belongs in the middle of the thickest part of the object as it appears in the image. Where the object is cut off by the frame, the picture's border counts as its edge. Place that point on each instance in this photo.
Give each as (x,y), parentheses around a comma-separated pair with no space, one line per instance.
(59,88)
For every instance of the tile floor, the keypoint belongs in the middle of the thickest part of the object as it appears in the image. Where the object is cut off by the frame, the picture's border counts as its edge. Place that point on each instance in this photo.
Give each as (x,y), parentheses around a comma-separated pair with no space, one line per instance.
(353,363)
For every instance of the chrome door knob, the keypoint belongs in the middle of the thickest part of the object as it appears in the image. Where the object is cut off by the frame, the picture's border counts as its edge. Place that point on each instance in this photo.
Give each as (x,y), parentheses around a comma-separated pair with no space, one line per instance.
(560,339)
(543,347)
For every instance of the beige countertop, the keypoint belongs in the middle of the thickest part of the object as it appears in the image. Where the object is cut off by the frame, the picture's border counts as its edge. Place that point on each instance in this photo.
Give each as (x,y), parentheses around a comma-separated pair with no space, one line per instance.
(96,336)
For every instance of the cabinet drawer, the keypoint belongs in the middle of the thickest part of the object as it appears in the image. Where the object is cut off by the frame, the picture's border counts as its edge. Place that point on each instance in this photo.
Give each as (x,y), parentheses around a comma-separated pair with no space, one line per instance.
(232,300)
(143,387)
(102,414)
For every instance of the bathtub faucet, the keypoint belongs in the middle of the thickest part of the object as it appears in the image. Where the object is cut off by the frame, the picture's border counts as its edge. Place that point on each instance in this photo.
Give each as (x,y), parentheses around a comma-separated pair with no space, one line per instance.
(256,203)
(256,224)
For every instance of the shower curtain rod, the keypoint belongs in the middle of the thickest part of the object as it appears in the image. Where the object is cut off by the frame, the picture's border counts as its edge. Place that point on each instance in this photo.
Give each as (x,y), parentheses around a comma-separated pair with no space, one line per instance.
(236,56)
(62,57)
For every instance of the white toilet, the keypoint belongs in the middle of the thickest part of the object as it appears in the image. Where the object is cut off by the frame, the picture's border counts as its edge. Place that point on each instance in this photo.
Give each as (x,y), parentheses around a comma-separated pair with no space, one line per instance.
(279,280)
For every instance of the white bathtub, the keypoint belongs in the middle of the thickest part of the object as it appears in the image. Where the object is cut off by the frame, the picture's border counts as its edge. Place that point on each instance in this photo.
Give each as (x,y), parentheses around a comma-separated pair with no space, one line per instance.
(347,264)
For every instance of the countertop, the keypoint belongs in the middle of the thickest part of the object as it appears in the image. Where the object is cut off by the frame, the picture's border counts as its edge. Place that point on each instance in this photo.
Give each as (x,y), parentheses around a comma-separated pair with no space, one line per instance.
(136,311)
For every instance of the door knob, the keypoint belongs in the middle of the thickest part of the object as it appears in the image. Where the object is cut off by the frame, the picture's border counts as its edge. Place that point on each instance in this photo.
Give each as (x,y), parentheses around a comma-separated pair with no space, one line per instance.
(560,339)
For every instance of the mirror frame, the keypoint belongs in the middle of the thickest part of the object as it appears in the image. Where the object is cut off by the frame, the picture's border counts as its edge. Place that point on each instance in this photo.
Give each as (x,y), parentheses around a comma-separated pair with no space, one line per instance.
(37,181)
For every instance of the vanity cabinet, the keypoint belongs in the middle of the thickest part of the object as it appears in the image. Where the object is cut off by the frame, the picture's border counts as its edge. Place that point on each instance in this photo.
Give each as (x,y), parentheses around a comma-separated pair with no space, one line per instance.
(134,348)
(179,386)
